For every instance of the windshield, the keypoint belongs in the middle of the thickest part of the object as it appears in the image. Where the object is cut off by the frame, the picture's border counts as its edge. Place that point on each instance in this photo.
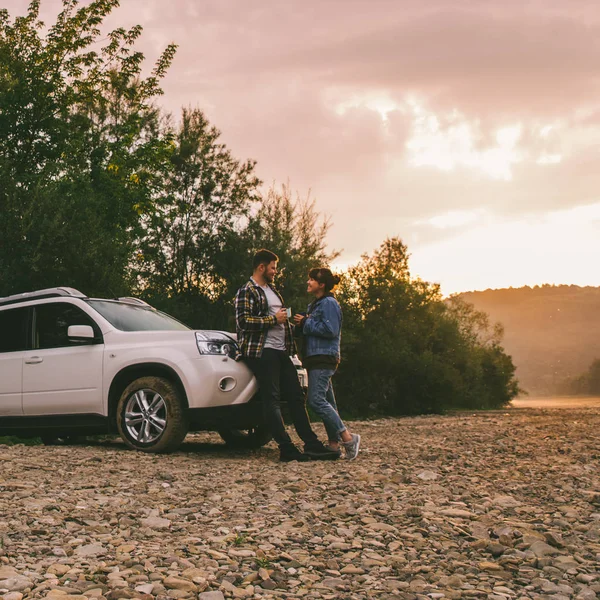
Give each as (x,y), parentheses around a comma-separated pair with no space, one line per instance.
(127,317)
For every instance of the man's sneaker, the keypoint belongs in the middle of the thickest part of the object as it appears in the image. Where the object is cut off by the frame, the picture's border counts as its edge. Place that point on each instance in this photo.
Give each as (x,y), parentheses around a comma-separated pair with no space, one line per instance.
(352,447)
(318,451)
(290,453)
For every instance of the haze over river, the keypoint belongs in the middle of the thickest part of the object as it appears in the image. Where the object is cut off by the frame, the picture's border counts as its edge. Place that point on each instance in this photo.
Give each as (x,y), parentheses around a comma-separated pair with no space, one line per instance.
(556,402)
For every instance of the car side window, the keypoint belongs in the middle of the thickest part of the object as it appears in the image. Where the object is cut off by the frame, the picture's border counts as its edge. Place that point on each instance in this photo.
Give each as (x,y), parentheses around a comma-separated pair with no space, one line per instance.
(52,322)
(13,329)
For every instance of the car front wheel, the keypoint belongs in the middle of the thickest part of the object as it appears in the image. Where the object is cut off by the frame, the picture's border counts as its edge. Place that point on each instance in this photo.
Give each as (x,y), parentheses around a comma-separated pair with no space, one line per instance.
(246,438)
(151,415)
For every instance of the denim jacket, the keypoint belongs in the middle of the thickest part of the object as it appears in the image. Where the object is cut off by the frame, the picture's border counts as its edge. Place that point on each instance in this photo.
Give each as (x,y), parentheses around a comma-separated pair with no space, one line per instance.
(322,328)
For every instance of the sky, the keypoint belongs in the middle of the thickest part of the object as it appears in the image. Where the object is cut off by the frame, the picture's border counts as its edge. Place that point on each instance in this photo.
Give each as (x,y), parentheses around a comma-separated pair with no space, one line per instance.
(468,128)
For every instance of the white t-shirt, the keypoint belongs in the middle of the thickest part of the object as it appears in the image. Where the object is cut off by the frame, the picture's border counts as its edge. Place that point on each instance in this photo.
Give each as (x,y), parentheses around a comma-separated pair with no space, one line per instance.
(276,334)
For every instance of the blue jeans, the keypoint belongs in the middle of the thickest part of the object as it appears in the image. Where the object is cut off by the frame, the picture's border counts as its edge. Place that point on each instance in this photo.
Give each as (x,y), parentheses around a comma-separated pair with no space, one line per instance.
(322,400)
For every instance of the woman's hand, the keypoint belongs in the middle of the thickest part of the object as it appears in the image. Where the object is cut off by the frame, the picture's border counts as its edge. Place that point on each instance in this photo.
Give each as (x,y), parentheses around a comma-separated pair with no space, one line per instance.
(298,319)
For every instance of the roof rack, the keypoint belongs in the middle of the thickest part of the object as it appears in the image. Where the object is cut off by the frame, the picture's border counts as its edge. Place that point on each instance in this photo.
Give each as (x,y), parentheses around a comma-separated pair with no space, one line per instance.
(132,300)
(40,294)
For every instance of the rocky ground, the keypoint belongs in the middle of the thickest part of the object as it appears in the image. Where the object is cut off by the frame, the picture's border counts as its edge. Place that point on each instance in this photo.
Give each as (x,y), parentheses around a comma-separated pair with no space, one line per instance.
(496,505)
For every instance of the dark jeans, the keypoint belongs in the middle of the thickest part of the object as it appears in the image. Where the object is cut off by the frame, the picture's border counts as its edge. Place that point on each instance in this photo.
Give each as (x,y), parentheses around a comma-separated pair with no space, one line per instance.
(277,378)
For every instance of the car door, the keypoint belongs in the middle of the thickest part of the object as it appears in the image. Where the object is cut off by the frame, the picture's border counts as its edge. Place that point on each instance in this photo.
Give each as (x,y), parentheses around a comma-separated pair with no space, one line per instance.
(13,346)
(60,375)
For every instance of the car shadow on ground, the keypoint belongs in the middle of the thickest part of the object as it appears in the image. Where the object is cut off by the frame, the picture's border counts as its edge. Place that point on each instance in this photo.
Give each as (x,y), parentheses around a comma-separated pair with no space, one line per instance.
(207,447)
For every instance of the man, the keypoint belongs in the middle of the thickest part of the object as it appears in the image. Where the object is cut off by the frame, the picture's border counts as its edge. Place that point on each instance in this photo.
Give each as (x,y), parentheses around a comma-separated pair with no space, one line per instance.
(266,345)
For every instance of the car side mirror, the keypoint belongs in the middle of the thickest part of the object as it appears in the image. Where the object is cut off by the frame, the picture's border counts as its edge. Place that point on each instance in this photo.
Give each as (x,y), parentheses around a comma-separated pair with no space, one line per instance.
(80,333)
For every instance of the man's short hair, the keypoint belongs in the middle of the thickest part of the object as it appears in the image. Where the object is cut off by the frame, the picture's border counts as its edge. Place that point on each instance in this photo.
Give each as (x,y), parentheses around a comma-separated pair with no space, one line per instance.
(263,257)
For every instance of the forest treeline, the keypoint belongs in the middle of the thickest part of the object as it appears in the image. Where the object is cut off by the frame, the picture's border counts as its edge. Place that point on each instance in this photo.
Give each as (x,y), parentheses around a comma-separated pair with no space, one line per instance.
(551,332)
(585,384)
(102,190)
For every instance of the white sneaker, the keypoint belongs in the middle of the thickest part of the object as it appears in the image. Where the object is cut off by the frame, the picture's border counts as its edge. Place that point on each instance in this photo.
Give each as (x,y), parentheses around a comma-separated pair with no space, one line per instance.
(352,447)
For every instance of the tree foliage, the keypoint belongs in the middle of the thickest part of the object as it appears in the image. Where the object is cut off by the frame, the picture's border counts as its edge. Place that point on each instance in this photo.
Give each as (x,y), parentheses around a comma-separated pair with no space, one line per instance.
(406,351)
(188,250)
(586,384)
(290,226)
(79,145)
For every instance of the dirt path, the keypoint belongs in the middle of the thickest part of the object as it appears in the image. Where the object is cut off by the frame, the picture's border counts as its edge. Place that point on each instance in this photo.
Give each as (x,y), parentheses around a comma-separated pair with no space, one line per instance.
(488,505)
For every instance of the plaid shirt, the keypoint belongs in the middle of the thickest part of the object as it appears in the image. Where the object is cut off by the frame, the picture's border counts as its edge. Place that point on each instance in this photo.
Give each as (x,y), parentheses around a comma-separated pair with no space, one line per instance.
(252,321)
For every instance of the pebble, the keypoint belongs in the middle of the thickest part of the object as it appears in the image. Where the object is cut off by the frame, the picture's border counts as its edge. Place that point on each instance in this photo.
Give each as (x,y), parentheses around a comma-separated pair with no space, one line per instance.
(211,596)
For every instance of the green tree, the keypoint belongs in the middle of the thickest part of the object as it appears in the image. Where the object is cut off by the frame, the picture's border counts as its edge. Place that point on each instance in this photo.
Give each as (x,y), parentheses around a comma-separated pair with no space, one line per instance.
(593,377)
(80,145)
(406,351)
(290,226)
(586,384)
(191,245)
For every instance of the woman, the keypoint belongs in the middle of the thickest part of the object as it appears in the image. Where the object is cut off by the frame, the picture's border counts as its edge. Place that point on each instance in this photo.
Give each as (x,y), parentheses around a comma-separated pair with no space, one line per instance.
(321,328)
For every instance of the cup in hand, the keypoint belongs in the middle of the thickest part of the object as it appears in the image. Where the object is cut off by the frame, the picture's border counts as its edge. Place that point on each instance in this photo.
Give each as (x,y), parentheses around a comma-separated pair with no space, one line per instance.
(288,312)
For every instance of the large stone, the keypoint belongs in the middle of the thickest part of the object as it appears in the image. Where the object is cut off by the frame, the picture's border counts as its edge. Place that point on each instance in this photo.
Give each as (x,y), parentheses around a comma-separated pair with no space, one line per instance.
(177,583)
(541,549)
(236,591)
(90,550)
(489,566)
(12,596)
(7,572)
(16,584)
(382,527)
(352,570)
(194,573)
(214,595)
(505,502)
(586,594)
(58,569)
(457,513)
(156,523)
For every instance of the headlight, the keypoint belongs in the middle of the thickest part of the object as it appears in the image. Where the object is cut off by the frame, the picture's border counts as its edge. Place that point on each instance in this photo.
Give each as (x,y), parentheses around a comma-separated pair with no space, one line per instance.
(214,342)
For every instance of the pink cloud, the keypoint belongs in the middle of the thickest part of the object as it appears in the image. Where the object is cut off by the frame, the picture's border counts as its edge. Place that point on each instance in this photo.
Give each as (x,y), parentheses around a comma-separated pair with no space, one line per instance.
(266,73)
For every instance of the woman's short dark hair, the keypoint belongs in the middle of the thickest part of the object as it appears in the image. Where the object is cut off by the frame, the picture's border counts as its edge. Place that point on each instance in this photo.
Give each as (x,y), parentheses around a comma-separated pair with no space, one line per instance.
(263,257)
(324,275)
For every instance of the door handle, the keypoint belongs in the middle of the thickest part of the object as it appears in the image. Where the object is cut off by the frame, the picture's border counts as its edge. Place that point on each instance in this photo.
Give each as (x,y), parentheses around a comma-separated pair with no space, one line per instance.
(34,360)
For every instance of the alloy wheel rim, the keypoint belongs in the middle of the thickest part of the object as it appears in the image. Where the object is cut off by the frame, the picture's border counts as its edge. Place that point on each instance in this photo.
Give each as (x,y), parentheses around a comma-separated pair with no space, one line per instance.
(145,416)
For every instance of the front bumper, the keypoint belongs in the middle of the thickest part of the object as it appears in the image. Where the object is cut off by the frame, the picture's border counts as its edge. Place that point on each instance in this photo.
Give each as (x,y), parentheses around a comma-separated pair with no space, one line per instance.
(216,381)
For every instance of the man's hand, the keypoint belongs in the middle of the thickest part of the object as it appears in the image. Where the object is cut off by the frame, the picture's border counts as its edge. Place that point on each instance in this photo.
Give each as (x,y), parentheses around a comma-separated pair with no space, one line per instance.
(281,316)
(298,319)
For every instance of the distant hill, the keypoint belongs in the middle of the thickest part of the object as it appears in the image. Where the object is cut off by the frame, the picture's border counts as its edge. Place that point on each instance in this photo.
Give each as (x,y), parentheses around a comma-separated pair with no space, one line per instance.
(551,332)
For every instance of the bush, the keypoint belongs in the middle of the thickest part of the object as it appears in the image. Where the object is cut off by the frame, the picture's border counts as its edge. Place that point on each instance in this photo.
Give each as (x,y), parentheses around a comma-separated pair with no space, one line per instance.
(406,351)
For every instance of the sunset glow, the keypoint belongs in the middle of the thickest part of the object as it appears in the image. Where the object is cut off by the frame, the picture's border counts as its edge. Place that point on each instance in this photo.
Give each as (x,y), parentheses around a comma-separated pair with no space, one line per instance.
(381,104)
(470,131)
(533,252)
(456,145)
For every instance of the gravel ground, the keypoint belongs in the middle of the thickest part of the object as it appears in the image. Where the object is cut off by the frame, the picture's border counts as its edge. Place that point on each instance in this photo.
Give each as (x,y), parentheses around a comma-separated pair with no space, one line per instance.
(495,505)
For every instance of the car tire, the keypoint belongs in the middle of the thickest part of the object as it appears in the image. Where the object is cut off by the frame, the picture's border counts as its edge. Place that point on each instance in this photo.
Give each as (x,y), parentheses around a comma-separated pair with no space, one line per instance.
(151,416)
(255,437)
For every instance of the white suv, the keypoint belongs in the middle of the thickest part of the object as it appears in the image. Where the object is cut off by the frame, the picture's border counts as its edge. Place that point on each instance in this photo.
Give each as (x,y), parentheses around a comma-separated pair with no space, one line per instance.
(72,365)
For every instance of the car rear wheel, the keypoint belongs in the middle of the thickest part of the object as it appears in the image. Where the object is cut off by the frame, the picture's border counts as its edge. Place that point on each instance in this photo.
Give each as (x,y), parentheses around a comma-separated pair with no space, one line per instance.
(151,415)
(246,438)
